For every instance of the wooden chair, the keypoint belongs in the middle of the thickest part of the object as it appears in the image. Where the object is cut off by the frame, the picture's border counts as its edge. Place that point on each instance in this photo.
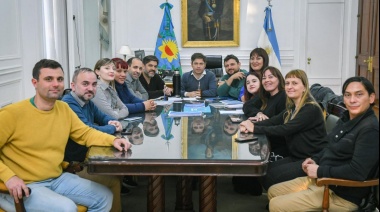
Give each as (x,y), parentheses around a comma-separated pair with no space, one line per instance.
(340,182)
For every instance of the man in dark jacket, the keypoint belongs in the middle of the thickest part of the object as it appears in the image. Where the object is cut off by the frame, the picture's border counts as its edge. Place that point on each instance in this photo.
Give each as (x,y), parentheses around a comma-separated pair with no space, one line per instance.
(352,154)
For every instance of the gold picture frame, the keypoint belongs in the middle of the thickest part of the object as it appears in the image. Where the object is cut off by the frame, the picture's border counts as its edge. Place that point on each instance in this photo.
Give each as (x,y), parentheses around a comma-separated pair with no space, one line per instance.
(210,23)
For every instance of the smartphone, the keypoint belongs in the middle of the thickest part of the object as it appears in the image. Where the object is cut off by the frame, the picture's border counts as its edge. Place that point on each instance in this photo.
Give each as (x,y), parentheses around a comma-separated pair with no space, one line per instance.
(246,137)
(127,131)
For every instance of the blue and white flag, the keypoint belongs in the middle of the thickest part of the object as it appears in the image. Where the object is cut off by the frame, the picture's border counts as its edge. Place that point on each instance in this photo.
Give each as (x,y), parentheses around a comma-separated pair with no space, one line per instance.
(166,46)
(268,40)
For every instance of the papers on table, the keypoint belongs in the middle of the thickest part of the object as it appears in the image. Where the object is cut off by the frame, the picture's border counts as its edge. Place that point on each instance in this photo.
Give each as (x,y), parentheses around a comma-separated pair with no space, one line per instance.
(238,111)
(203,109)
(162,103)
(237,106)
(132,118)
(231,102)
(184,114)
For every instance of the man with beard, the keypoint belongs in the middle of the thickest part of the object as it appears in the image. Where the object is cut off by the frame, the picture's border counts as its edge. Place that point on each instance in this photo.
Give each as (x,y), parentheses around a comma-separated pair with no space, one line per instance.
(83,90)
(135,67)
(151,81)
(232,82)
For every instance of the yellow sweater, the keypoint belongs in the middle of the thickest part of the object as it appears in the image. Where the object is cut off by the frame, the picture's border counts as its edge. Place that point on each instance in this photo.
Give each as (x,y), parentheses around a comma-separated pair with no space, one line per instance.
(32,141)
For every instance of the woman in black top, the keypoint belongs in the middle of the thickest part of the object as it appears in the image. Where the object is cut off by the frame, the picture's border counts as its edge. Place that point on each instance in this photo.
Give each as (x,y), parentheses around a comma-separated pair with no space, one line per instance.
(302,124)
(269,102)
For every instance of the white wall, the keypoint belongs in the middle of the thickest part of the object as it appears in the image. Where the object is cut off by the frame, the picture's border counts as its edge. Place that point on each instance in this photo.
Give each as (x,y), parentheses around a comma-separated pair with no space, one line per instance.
(136,23)
(141,33)
(20,47)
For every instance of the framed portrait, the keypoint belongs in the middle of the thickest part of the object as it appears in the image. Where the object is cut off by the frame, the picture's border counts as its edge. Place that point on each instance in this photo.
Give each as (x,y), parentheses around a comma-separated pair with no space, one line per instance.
(210,23)
(140,54)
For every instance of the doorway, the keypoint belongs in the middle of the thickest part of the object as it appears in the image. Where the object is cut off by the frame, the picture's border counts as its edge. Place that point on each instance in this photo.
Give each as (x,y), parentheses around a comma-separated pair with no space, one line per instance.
(367,59)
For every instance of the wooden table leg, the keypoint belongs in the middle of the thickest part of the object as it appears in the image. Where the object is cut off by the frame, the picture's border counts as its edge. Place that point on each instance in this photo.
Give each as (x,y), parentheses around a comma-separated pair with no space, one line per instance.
(156,194)
(207,194)
(184,191)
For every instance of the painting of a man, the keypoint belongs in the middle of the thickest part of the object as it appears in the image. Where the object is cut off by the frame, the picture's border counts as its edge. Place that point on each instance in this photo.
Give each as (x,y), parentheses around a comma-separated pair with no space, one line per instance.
(210,20)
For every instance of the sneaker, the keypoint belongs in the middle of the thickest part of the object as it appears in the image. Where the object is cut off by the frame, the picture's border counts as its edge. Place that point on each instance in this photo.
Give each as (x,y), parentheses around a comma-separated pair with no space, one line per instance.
(128,182)
(125,191)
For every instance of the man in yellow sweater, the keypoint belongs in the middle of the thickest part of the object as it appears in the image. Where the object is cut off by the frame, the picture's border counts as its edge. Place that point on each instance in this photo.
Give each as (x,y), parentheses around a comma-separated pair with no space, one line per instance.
(34,133)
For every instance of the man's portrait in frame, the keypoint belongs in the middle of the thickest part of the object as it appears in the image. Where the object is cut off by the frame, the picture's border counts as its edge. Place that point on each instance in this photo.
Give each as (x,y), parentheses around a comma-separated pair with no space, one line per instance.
(208,23)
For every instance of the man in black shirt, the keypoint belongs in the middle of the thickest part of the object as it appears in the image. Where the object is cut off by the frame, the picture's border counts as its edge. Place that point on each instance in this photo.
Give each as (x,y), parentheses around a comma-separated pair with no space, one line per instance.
(151,81)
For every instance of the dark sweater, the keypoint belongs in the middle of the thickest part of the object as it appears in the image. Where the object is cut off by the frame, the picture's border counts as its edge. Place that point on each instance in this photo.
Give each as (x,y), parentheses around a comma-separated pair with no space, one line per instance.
(352,153)
(303,134)
(133,103)
(155,87)
(208,84)
(275,105)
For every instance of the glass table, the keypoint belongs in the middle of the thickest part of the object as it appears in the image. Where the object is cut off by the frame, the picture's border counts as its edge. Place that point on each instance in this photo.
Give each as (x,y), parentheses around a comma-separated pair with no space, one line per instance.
(202,146)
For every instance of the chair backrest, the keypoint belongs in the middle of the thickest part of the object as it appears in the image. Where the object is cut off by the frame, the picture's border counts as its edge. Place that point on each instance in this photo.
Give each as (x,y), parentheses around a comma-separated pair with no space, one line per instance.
(66,91)
(335,109)
(331,121)
(214,63)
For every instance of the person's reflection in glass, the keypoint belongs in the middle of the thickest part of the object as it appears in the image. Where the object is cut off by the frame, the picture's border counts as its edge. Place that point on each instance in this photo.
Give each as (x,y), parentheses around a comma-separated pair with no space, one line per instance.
(199,124)
(256,148)
(230,128)
(123,154)
(150,125)
(137,136)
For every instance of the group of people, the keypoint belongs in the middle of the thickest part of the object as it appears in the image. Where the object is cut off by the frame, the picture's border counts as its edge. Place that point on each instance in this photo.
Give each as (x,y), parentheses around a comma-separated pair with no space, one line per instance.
(280,107)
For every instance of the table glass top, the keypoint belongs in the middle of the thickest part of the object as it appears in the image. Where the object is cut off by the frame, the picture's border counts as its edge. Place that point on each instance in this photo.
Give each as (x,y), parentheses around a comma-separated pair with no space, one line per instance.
(211,136)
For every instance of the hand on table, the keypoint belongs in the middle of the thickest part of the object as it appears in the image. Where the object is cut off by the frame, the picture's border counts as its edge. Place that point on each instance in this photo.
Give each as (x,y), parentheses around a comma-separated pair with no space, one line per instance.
(122,144)
(149,105)
(117,125)
(246,127)
(194,94)
(168,91)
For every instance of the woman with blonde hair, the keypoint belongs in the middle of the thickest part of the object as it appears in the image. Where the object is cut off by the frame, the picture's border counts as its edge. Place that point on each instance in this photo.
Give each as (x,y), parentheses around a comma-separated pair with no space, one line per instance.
(106,98)
(301,123)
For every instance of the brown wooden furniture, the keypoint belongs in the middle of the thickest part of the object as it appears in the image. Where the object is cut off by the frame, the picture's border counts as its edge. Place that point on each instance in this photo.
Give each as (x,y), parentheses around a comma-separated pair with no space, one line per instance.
(179,152)
(367,56)
(326,182)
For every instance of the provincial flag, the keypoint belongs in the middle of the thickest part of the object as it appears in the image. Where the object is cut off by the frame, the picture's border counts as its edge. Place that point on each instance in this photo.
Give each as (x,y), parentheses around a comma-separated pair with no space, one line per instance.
(268,40)
(166,46)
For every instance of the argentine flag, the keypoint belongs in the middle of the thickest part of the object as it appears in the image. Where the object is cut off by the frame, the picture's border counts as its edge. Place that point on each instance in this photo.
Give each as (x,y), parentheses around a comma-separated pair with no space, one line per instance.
(268,40)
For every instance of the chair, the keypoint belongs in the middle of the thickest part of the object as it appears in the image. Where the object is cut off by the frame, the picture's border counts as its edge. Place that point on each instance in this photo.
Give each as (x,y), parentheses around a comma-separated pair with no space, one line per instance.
(340,182)
(66,91)
(214,63)
(331,121)
(335,109)
(333,112)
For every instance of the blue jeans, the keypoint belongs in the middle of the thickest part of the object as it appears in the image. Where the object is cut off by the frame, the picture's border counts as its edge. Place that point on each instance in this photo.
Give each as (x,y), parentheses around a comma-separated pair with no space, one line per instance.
(62,194)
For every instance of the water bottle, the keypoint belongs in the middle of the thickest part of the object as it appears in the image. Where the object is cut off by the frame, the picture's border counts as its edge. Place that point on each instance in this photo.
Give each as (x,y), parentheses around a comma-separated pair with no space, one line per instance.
(177,84)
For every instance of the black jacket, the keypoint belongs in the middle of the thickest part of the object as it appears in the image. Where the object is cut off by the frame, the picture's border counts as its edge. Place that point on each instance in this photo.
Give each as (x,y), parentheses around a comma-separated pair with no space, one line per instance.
(352,153)
(303,134)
